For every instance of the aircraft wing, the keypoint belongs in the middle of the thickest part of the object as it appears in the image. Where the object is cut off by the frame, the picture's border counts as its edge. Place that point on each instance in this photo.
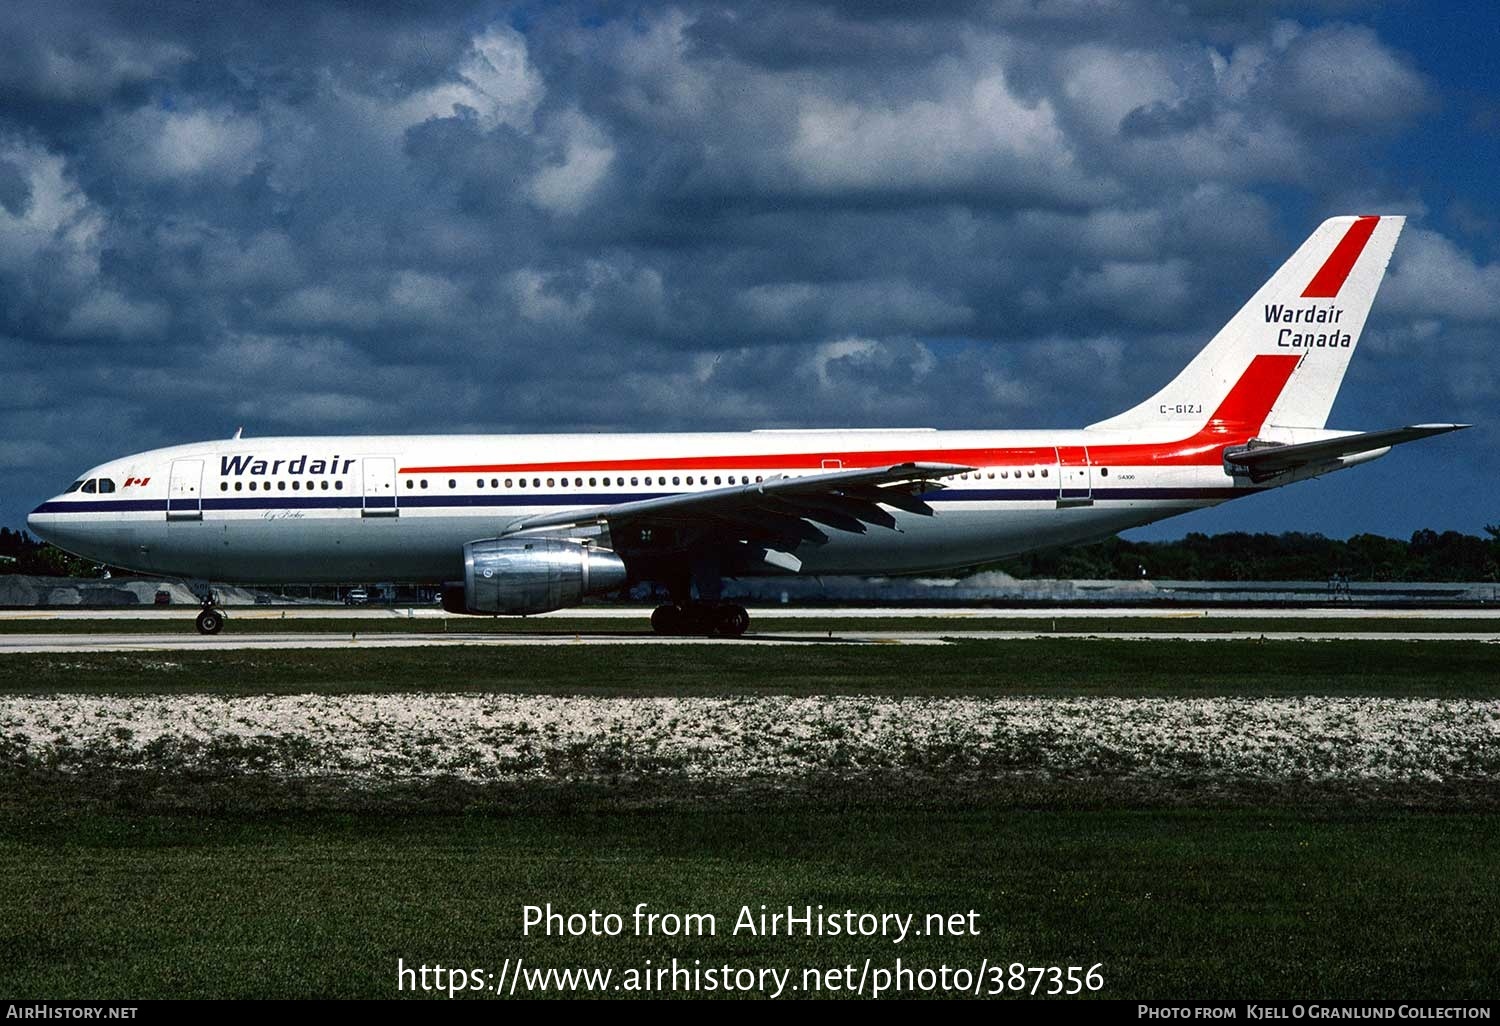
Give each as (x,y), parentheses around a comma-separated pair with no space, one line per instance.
(779,512)
(1267,459)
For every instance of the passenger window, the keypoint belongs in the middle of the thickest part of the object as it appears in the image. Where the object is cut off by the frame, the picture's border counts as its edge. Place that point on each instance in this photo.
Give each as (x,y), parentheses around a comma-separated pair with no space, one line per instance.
(424,482)
(338,486)
(1044,471)
(495,482)
(523,482)
(408,484)
(324,486)
(451,483)
(635,480)
(223,486)
(297,485)
(508,483)
(281,486)
(252,486)
(1103,471)
(479,482)
(536,482)
(551,482)
(236,486)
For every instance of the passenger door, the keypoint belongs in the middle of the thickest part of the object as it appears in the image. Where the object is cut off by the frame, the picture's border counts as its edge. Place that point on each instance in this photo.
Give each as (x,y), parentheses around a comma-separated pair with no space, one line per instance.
(380,487)
(185,490)
(1074,476)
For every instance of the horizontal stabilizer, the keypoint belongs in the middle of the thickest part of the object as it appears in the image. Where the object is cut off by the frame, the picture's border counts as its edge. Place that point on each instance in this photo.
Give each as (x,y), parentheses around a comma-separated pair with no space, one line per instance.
(1265,459)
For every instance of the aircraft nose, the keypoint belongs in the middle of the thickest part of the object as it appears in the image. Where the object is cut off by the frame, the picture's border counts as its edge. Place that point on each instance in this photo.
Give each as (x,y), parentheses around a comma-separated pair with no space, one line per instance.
(36,522)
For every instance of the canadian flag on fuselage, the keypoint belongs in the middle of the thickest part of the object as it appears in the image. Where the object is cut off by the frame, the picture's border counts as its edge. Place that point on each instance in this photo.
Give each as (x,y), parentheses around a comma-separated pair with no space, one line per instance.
(1281,359)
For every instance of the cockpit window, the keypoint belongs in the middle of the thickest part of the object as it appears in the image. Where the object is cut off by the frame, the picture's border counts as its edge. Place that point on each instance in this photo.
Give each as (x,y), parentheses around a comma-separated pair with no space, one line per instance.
(91,486)
(74,487)
(106,485)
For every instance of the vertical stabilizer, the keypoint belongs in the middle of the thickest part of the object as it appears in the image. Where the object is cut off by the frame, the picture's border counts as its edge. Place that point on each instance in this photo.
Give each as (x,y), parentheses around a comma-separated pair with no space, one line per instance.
(1308,316)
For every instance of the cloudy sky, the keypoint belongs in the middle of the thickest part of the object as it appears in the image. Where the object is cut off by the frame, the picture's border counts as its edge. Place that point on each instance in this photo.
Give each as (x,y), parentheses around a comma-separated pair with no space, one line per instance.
(351,217)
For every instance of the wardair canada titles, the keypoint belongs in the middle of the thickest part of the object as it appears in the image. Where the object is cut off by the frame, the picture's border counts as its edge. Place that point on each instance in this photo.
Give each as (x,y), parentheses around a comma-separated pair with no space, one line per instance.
(1293,338)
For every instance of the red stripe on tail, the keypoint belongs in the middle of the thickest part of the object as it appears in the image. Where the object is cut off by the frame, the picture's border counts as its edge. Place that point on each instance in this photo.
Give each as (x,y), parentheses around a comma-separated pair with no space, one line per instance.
(1335,270)
(1249,402)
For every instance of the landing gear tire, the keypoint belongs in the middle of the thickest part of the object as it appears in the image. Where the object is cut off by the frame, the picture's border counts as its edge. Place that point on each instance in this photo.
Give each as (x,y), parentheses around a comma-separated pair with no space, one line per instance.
(668,619)
(731,621)
(210,621)
(698,619)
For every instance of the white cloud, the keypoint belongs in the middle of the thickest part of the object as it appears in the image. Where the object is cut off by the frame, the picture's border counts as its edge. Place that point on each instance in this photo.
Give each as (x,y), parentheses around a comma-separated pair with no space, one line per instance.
(1433,277)
(95,68)
(1136,291)
(168,144)
(495,80)
(891,306)
(1343,76)
(976,134)
(106,313)
(1102,85)
(537,300)
(326,305)
(566,185)
(863,362)
(52,225)
(424,296)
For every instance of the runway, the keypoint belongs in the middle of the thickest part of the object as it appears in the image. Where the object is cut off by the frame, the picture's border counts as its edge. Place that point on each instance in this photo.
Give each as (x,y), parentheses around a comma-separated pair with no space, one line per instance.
(187,642)
(761,613)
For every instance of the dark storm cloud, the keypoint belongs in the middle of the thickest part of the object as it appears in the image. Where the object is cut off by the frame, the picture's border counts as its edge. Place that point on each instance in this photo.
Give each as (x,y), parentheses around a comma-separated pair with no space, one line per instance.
(356,217)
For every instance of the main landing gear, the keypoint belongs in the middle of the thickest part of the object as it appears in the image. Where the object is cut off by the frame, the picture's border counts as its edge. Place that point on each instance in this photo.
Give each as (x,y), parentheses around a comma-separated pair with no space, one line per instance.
(714,619)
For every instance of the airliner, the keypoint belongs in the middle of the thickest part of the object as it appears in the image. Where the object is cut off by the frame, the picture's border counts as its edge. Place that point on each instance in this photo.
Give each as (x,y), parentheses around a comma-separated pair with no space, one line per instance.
(524,524)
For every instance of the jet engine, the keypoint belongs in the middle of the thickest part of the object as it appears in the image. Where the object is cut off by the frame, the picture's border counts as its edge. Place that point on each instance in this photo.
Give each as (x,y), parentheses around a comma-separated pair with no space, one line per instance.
(531,575)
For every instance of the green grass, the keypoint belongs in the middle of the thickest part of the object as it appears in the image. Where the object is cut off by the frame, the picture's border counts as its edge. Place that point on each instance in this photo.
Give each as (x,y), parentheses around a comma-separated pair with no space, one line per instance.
(1041,666)
(1260,903)
(141,887)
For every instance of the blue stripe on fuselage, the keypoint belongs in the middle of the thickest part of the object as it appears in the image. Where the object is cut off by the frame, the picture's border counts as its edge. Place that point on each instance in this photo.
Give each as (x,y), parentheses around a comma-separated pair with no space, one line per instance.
(472,501)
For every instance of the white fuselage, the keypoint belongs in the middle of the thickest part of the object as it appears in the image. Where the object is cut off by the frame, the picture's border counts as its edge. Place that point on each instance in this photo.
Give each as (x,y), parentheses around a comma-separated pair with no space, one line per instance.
(400,508)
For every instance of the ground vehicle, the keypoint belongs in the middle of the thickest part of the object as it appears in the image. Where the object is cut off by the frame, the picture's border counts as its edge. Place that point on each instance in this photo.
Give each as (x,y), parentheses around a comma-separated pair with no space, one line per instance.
(357,597)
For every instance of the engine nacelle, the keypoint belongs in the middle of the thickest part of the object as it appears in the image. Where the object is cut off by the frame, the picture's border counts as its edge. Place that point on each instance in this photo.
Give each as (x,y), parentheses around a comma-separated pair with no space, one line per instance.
(531,575)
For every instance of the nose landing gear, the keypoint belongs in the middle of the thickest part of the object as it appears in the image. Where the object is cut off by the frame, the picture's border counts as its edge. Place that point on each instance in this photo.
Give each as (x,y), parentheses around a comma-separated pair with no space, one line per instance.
(211,618)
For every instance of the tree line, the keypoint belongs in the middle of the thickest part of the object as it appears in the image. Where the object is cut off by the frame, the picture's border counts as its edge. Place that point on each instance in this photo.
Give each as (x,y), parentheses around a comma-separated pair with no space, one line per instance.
(1293,556)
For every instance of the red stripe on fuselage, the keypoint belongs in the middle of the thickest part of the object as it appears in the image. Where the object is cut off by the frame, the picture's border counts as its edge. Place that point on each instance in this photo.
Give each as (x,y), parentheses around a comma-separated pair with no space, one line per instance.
(1335,270)
(1235,421)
